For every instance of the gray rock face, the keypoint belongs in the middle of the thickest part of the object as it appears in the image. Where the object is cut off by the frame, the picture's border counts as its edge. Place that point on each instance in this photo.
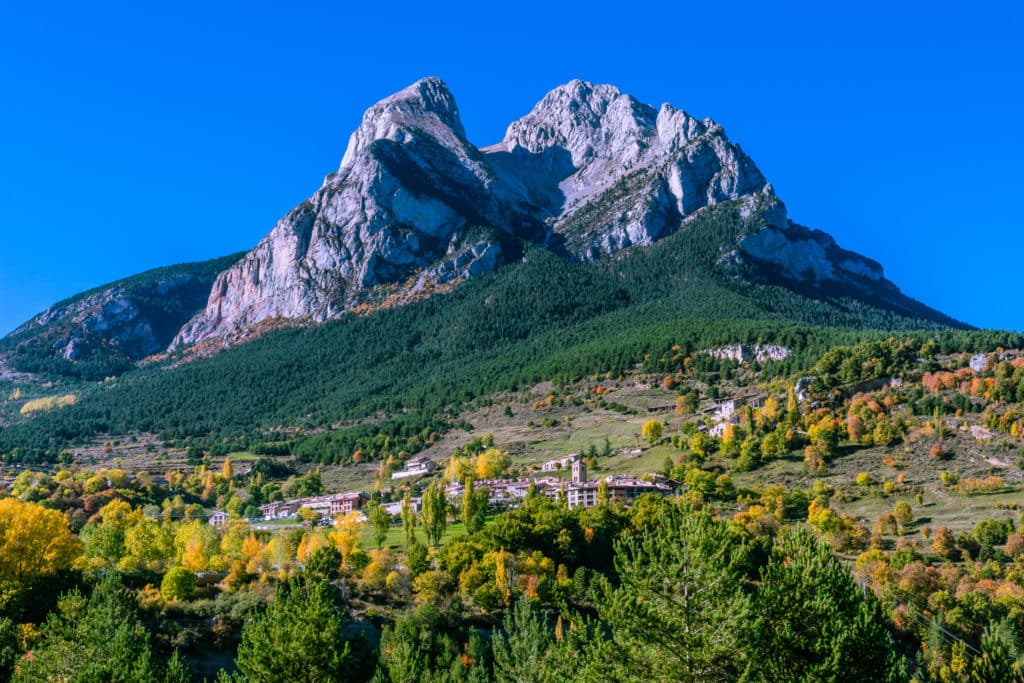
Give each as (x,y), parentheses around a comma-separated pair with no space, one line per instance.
(408,188)
(587,172)
(612,172)
(129,321)
(978,362)
(743,353)
(103,331)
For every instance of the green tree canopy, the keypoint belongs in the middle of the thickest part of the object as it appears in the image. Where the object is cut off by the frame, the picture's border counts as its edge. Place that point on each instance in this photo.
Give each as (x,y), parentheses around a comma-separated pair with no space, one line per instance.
(302,637)
(100,638)
(813,623)
(678,613)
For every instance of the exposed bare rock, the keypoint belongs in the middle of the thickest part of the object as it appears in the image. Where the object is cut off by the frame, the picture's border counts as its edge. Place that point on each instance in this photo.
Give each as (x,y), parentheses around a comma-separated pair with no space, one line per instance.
(743,353)
(612,172)
(113,325)
(589,171)
(407,189)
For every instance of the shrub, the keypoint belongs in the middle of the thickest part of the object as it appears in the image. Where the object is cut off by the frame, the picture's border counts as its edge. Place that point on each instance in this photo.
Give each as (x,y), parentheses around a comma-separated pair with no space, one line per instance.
(178,584)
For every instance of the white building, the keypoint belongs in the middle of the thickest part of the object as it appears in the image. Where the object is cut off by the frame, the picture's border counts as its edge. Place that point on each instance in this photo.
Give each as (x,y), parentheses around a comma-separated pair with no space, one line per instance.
(415,467)
(217,518)
(559,463)
(330,505)
(579,492)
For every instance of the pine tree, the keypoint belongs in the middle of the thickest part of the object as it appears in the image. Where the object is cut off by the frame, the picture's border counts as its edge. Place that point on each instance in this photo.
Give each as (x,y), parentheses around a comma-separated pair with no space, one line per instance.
(8,647)
(1000,653)
(520,650)
(301,638)
(100,638)
(679,612)
(813,623)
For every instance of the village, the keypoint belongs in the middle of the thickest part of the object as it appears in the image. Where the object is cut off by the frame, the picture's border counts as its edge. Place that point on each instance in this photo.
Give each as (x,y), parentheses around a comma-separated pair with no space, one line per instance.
(580,489)
(503,494)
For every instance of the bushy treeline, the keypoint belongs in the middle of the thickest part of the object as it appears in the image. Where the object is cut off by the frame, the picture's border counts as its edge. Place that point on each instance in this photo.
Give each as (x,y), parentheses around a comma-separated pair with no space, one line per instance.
(666,590)
(394,438)
(683,596)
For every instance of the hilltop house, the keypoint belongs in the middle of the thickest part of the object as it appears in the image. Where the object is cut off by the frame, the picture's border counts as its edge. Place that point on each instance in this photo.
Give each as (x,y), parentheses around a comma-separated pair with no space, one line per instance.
(415,467)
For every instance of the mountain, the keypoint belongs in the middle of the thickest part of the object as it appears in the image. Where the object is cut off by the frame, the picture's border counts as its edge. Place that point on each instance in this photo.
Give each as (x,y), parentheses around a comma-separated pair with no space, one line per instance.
(103,331)
(599,233)
(589,172)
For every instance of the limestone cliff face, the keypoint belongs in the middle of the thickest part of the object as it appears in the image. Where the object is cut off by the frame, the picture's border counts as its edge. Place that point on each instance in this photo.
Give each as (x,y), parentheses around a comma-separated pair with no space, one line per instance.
(613,172)
(589,171)
(398,210)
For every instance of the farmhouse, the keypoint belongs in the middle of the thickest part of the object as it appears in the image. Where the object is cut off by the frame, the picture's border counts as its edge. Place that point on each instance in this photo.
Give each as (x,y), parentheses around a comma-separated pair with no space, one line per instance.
(415,467)
(217,518)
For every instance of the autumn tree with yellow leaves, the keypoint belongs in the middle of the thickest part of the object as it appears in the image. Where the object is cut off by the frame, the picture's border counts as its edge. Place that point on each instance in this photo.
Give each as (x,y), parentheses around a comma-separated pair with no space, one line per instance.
(33,541)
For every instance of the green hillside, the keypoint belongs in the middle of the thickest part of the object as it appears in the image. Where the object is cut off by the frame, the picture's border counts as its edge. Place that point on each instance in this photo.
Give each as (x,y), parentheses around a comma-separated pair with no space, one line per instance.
(538,319)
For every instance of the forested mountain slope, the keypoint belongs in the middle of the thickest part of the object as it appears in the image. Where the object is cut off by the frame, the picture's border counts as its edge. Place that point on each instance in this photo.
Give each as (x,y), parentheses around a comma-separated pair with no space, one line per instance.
(542,317)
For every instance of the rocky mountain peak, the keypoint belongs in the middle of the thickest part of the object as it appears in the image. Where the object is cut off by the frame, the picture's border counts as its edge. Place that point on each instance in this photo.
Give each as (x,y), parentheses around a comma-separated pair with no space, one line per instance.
(614,172)
(587,172)
(426,106)
(569,117)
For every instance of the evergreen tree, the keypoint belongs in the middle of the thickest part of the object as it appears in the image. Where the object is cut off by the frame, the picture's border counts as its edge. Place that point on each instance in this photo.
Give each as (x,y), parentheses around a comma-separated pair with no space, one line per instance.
(8,647)
(813,623)
(301,638)
(1000,658)
(520,651)
(325,562)
(426,644)
(99,638)
(678,613)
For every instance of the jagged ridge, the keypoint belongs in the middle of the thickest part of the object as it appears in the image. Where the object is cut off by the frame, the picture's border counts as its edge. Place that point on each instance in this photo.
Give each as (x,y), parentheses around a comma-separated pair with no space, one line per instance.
(589,171)
(103,330)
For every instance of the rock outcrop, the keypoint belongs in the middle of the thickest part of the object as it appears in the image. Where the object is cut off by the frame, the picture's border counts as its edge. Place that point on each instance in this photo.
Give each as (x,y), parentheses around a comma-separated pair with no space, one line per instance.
(612,172)
(589,171)
(409,189)
(117,323)
(743,353)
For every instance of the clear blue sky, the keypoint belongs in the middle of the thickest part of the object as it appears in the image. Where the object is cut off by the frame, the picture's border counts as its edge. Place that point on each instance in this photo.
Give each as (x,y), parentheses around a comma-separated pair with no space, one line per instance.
(142,134)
